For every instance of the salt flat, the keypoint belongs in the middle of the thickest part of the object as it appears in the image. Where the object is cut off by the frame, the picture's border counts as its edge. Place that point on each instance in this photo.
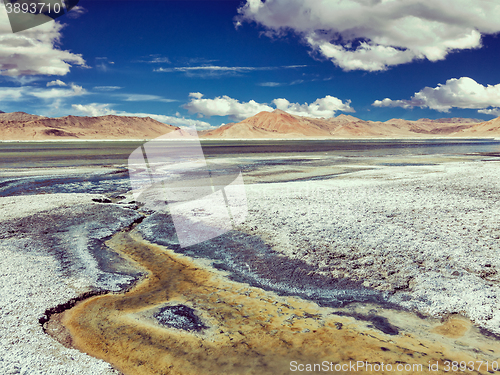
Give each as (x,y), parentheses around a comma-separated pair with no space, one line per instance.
(425,237)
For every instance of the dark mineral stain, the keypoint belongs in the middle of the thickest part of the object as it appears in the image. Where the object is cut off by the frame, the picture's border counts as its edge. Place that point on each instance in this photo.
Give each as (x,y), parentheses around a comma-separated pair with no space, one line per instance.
(66,306)
(378,322)
(249,259)
(181,317)
(101,200)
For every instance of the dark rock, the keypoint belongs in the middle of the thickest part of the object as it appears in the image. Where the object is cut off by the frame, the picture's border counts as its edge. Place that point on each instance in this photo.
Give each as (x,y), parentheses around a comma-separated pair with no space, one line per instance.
(378,322)
(180,317)
(102,200)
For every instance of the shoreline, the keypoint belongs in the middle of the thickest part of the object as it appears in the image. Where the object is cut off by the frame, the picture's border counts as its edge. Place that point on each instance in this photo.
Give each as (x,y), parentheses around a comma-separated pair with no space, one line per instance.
(202,139)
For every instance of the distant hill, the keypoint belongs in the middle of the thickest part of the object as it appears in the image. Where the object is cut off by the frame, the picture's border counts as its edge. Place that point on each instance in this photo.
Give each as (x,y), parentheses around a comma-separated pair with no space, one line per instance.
(487,129)
(453,120)
(276,124)
(18,116)
(279,124)
(23,126)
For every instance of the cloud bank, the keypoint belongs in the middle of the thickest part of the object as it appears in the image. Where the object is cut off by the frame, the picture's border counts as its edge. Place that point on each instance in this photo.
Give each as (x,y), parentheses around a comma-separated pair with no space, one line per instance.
(34,51)
(373,35)
(455,93)
(224,106)
(27,93)
(94,109)
(236,110)
(103,109)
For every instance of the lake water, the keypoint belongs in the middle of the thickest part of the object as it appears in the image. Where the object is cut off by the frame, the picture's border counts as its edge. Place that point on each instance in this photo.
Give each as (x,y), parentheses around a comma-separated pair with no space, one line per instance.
(101,167)
(89,153)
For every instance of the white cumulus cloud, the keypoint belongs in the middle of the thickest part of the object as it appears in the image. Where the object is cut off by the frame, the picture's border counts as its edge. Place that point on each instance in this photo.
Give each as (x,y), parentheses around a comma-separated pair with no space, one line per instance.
(47,99)
(174,120)
(76,12)
(27,93)
(94,109)
(57,82)
(57,93)
(12,94)
(324,107)
(34,51)
(226,106)
(196,95)
(373,35)
(463,92)
(490,111)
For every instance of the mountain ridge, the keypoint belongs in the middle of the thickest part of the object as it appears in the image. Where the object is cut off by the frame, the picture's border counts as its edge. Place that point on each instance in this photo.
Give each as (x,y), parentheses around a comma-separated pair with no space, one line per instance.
(23,126)
(280,124)
(275,125)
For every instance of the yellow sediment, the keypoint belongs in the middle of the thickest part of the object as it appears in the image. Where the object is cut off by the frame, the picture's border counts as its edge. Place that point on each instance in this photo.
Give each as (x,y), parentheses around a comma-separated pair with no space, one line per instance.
(251,331)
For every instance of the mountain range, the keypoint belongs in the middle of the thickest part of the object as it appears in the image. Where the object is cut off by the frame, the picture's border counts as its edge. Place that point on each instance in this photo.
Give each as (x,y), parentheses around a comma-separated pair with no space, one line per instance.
(276,124)
(279,124)
(23,126)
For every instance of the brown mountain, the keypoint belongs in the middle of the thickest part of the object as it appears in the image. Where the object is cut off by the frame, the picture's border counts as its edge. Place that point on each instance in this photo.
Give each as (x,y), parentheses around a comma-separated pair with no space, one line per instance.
(276,124)
(279,124)
(23,126)
(484,129)
(453,120)
(18,116)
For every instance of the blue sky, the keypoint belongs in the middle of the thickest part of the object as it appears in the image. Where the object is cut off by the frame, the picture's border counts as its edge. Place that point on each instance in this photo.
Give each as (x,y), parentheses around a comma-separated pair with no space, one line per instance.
(205,63)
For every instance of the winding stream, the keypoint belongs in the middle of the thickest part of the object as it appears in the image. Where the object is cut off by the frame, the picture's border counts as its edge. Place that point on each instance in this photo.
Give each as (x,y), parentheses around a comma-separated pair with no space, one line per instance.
(249,330)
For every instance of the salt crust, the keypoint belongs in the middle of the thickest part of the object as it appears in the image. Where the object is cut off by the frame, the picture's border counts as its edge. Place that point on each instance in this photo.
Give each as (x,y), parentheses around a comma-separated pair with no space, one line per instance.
(426,236)
(31,282)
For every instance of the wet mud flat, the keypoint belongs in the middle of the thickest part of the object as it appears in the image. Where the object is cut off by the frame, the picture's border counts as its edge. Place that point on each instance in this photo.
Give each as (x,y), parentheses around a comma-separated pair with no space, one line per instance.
(215,325)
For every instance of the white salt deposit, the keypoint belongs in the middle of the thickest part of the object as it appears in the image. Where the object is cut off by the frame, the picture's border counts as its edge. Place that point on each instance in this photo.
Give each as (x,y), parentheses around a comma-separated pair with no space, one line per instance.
(31,282)
(427,236)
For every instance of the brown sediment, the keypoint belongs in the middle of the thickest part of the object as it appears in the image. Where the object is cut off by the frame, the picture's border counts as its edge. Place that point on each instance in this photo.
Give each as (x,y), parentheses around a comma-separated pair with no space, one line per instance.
(56,329)
(251,331)
(454,327)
